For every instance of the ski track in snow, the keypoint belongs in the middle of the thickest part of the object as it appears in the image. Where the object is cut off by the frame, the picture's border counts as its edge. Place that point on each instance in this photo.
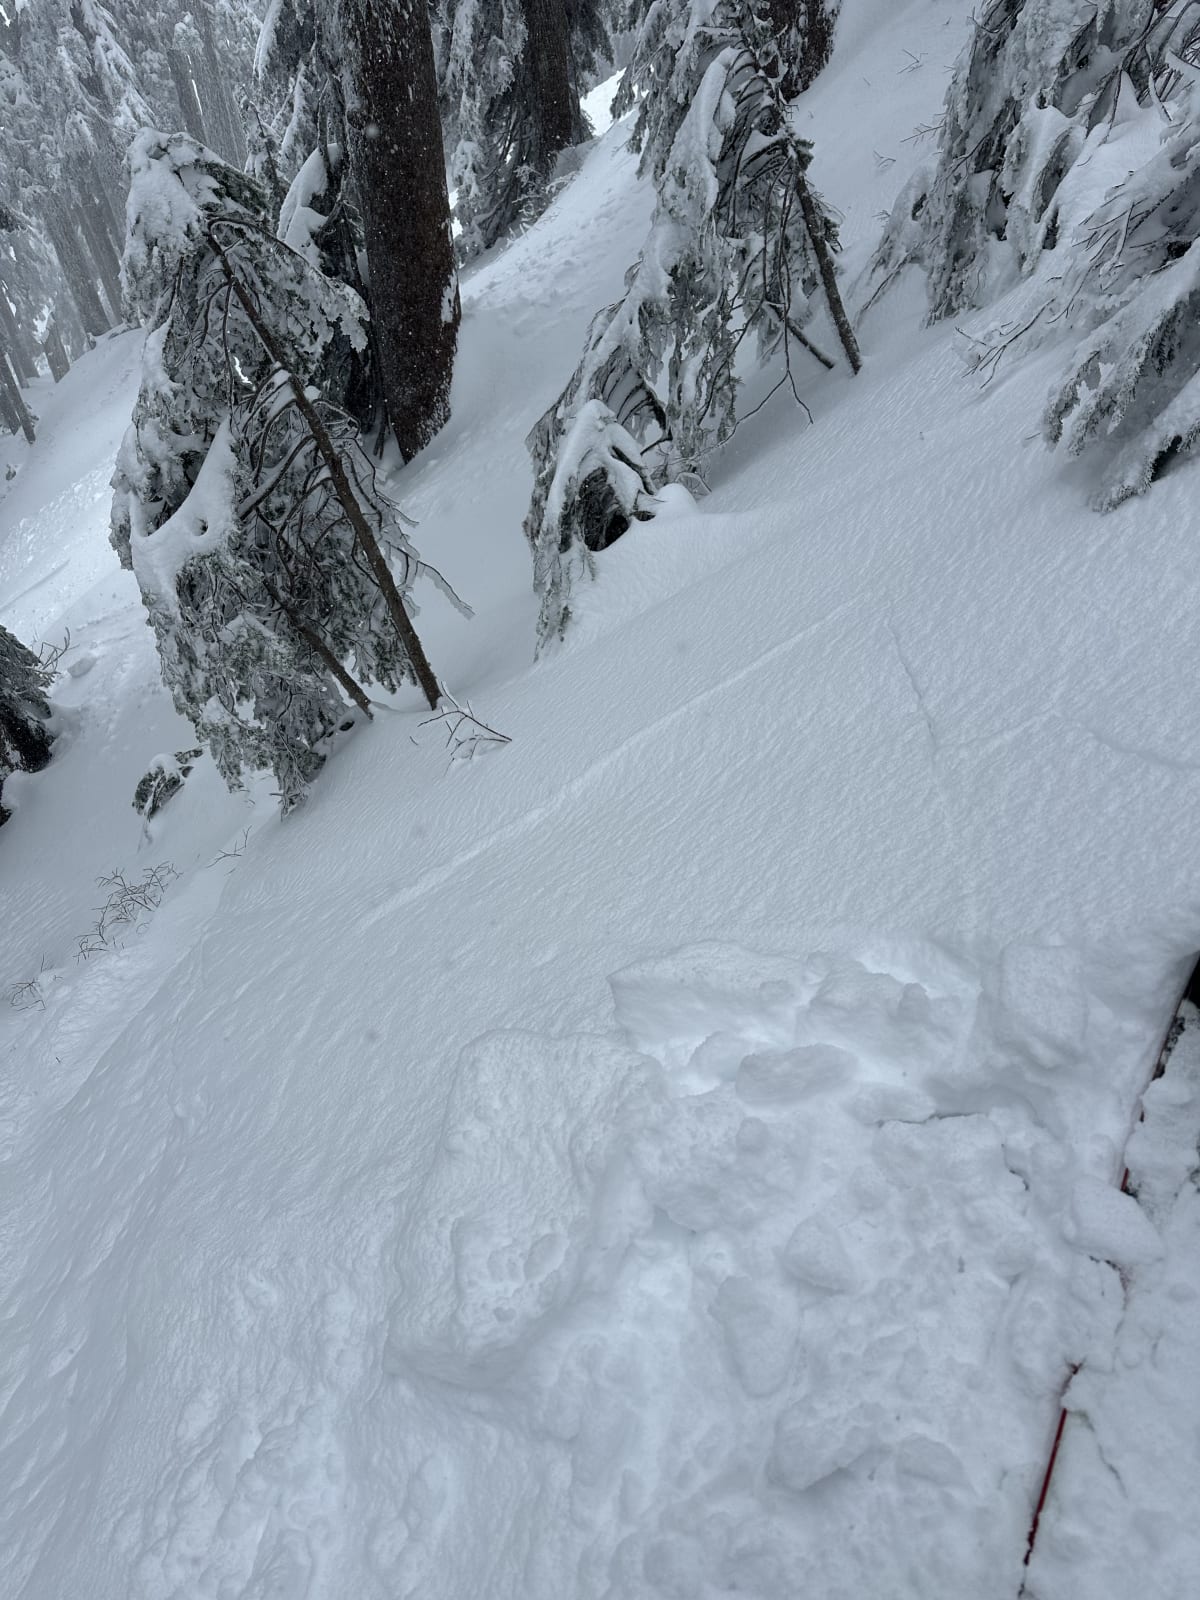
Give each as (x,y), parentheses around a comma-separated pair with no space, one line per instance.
(358,1239)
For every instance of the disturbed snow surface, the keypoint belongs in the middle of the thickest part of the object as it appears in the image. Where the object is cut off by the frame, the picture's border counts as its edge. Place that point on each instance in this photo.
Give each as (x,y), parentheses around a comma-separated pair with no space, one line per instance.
(359,1238)
(1119,1522)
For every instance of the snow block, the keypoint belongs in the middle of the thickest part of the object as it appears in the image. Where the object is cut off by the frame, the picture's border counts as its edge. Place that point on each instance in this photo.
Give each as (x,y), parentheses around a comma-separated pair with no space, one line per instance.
(1111,1226)
(522,1208)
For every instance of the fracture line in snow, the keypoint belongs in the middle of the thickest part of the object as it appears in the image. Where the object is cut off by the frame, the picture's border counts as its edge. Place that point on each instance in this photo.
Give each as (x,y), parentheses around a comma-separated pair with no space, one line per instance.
(532,818)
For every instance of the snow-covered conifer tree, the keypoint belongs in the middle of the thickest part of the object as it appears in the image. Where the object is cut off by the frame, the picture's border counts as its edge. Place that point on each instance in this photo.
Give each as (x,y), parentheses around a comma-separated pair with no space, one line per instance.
(739,247)
(25,740)
(1038,77)
(1044,176)
(296,72)
(1132,390)
(77,79)
(244,502)
(803,35)
(510,82)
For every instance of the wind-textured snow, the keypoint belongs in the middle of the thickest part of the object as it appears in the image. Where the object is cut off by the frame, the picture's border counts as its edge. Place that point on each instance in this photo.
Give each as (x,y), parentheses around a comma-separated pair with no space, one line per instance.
(680,1153)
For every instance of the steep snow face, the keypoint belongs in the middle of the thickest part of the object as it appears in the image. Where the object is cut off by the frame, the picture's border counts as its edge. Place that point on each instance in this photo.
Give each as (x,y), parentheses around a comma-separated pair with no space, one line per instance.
(361,1237)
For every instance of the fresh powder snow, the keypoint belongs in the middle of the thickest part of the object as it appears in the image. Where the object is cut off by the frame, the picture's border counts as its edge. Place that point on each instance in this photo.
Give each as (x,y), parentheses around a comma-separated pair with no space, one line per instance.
(678,1153)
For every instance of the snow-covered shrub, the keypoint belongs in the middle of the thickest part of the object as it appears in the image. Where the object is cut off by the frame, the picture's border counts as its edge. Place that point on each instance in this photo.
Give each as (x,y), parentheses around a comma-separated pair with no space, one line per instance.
(1070,157)
(1037,78)
(1133,389)
(738,247)
(243,499)
(164,778)
(25,740)
(592,482)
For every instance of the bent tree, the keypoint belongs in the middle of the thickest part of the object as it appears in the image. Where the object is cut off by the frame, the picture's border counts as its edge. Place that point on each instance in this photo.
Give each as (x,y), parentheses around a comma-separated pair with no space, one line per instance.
(740,249)
(245,502)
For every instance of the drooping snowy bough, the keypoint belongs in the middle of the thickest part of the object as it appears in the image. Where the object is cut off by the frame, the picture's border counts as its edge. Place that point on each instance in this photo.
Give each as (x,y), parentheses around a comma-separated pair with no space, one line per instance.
(244,501)
(1132,391)
(1070,168)
(25,738)
(1038,79)
(740,246)
(509,73)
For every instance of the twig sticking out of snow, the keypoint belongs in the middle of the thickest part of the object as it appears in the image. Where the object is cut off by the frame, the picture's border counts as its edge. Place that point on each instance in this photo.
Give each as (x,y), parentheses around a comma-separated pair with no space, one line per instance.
(466,735)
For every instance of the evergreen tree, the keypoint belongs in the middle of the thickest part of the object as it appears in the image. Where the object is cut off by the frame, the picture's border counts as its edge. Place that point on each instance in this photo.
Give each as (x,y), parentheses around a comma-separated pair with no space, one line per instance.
(1132,390)
(1037,78)
(510,83)
(244,501)
(77,79)
(739,247)
(25,739)
(1036,98)
(802,31)
(297,73)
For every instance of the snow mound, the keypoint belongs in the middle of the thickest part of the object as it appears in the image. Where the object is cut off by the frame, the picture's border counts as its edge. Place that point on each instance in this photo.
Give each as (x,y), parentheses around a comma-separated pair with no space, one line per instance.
(747,1304)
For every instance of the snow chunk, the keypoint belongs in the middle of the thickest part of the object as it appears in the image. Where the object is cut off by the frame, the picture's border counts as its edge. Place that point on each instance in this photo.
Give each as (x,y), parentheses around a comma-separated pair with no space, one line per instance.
(812,1443)
(760,1332)
(780,1077)
(522,1198)
(814,1255)
(1111,1226)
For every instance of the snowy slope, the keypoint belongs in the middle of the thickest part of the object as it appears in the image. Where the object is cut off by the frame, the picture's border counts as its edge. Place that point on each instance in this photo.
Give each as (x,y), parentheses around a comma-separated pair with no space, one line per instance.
(361,1236)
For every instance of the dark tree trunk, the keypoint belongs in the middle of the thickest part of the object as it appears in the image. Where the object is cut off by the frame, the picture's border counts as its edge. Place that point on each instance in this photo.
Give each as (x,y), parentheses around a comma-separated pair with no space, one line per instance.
(75,270)
(399,171)
(814,222)
(105,253)
(224,124)
(20,351)
(555,111)
(56,352)
(110,185)
(14,401)
(185,92)
(10,419)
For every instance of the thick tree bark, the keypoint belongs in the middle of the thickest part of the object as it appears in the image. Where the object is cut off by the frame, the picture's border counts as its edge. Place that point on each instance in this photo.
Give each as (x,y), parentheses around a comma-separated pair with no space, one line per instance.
(185,92)
(20,351)
(555,109)
(55,352)
(105,252)
(399,171)
(75,270)
(14,400)
(9,418)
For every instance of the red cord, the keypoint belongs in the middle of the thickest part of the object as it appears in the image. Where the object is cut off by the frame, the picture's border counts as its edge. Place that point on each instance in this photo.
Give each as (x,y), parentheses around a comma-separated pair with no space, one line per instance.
(1191,992)
(1049,1473)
